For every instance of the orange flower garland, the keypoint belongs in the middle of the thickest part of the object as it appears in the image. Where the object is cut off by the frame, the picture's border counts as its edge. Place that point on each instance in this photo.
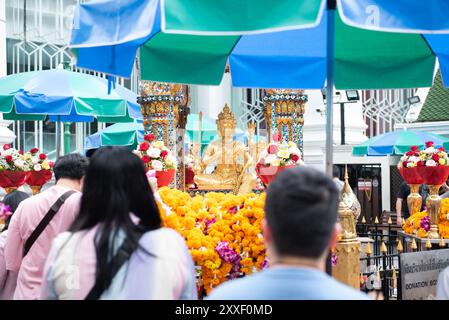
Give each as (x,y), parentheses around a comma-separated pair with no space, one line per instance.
(215,218)
(413,223)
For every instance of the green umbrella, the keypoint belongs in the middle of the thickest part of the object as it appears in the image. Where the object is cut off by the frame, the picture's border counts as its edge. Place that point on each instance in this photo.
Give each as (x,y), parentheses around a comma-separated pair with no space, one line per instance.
(119,134)
(397,143)
(446,145)
(65,96)
(208,129)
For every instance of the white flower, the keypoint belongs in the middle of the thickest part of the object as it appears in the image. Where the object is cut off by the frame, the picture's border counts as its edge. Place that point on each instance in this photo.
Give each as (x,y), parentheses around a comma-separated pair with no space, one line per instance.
(413,159)
(411,164)
(37,167)
(35,160)
(431,163)
(154,152)
(295,150)
(19,163)
(172,159)
(7,152)
(157,165)
(269,159)
(430,150)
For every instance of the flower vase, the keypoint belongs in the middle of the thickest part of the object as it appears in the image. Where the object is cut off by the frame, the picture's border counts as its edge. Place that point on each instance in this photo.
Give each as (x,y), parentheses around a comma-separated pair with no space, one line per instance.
(414,199)
(268,173)
(433,204)
(165,177)
(11,180)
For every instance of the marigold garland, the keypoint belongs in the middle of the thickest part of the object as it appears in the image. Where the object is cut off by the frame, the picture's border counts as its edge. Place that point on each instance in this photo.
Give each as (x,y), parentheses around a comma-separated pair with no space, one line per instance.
(218,218)
(413,225)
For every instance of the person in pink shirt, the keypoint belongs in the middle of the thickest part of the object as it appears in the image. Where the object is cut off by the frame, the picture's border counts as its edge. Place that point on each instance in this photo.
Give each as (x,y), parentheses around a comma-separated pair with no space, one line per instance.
(29,260)
(8,279)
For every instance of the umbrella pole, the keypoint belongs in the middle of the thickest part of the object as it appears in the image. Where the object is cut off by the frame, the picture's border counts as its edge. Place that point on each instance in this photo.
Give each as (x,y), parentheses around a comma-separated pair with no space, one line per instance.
(330,87)
(66,138)
(58,137)
(330,101)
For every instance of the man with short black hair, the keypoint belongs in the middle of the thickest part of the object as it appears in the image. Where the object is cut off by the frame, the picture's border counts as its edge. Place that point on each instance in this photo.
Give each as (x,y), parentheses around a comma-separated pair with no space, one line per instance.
(38,220)
(301,226)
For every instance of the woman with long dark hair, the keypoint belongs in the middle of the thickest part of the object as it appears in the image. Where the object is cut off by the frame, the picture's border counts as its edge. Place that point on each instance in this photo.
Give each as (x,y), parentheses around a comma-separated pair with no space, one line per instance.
(116,248)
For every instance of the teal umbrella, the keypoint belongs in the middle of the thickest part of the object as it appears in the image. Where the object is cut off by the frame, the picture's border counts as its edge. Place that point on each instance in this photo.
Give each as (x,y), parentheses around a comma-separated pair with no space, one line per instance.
(446,145)
(119,134)
(65,96)
(208,129)
(397,143)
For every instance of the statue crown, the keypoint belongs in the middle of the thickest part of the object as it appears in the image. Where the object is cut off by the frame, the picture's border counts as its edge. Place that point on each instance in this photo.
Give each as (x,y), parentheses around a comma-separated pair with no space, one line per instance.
(226,115)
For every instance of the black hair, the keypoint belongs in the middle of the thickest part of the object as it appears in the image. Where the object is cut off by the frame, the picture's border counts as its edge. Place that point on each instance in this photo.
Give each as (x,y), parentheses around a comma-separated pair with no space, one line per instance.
(114,187)
(72,166)
(301,211)
(13,200)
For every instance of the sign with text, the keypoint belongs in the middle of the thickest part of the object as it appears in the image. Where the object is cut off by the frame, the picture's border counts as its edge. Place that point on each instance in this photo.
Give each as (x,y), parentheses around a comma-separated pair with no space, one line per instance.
(420,271)
(364,185)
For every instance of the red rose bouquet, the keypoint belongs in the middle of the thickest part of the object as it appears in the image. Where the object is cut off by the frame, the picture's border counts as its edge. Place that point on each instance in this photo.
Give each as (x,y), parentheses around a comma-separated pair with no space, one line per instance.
(41,169)
(277,157)
(433,166)
(156,156)
(408,166)
(13,168)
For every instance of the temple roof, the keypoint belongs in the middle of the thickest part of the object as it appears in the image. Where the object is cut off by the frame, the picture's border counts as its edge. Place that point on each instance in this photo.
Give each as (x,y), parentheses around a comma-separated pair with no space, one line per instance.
(436,106)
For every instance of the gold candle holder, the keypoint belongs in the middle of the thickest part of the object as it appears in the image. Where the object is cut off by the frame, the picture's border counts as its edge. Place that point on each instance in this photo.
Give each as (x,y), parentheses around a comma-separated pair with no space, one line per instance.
(414,199)
(8,190)
(36,189)
(433,204)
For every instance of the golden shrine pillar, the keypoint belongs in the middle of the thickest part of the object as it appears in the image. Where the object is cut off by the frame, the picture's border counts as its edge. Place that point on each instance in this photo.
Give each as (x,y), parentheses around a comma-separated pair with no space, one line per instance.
(347,269)
(284,113)
(164,108)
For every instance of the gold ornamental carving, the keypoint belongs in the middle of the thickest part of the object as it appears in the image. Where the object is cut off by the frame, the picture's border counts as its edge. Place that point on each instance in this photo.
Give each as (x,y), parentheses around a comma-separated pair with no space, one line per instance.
(284,113)
(347,269)
(414,199)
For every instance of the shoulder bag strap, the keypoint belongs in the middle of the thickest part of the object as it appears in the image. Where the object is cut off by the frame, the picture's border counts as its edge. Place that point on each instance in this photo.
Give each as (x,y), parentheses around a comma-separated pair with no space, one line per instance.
(123,254)
(45,221)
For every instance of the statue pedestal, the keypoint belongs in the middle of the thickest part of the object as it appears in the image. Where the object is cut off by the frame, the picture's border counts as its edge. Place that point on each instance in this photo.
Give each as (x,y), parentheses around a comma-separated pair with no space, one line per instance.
(347,269)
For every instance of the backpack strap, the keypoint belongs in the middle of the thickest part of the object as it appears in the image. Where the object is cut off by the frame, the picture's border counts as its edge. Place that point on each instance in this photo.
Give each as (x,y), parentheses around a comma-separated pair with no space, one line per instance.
(45,221)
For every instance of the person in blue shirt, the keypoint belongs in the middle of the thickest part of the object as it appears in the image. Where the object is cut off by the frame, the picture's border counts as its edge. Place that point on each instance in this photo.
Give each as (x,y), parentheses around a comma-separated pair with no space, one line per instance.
(300,227)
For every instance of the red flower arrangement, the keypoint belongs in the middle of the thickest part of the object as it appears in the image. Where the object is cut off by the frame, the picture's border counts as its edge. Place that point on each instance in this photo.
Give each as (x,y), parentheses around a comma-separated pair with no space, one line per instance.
(433,166)
(157,157)
(276,158)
